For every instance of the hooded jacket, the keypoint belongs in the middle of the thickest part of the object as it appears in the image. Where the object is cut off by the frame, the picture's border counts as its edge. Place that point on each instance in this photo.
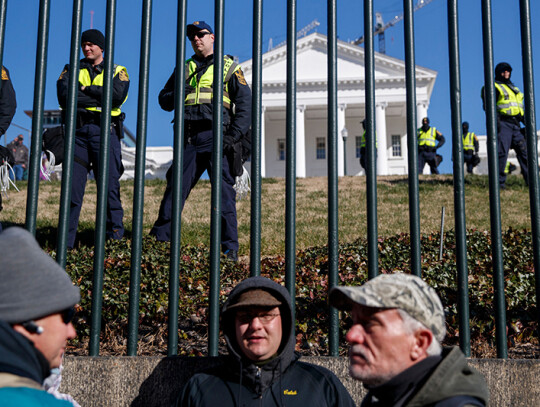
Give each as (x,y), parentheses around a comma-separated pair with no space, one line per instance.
(281,381)
(22,370)
(436,381)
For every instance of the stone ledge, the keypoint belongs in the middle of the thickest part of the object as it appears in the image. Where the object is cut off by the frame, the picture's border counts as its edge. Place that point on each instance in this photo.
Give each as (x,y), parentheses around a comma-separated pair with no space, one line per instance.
(152,381)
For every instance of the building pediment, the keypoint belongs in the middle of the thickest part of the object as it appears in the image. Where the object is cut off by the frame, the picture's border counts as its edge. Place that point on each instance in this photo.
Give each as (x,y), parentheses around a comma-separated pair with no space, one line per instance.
(312,66)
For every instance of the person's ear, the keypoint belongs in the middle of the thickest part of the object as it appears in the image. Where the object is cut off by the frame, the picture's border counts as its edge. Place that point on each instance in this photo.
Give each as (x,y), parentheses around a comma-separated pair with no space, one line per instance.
(28,331)
(422,340)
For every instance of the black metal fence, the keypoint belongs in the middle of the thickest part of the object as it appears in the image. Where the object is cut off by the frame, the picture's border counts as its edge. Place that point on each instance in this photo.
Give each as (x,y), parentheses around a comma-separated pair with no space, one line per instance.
(332,136)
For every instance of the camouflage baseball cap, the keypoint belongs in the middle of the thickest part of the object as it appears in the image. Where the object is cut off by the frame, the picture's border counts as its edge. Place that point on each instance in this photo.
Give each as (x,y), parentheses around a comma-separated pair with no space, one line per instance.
(403,291)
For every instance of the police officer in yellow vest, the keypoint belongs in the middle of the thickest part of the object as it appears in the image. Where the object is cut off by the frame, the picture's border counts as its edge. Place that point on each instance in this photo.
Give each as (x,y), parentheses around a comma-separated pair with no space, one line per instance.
(363,150)
(88,135)
(198,134)
(470,148)
(510,112)
(427,147)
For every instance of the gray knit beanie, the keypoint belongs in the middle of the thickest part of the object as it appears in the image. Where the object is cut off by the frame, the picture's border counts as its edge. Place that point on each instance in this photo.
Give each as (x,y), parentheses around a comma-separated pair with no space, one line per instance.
(32,284)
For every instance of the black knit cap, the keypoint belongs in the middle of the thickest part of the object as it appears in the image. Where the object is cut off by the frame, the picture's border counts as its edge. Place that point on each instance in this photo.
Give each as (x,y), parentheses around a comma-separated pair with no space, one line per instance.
(95,37)
(501,67)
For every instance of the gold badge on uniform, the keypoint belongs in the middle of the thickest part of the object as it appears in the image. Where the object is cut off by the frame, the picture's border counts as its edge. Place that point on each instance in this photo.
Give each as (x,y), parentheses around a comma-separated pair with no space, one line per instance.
(123,76)
(240,75)
(62,74)
(5,76)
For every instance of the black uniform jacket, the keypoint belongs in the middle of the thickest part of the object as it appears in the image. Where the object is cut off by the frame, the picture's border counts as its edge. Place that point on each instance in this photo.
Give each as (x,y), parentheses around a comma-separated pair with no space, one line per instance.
(91,95)
(238,123)
(8,102)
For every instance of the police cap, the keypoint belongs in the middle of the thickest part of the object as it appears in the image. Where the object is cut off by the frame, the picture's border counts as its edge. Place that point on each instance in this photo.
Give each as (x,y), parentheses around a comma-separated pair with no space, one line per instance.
(198,26)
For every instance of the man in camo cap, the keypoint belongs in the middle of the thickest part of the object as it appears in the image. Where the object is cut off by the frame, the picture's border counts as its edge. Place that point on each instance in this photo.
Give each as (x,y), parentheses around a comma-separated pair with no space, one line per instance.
(395,350)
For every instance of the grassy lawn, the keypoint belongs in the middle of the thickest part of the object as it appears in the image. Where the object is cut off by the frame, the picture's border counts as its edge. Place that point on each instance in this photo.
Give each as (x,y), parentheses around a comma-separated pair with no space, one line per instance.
(312,258)
(311,209)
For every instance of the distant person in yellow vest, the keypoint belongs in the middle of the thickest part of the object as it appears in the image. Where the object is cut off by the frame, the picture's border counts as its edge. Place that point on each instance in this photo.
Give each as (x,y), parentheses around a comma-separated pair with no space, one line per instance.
(470,148)
(363,150)
(88,136)
(510,112)
(429,141)
(199,134)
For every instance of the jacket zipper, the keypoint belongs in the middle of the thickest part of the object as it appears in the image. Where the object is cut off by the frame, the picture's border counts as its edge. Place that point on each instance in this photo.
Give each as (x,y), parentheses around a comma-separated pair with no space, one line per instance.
(258,376)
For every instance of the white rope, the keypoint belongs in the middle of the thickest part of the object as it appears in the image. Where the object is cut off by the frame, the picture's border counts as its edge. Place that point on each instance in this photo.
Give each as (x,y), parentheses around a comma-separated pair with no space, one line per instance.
(5,168)
(242,186)
(48,168)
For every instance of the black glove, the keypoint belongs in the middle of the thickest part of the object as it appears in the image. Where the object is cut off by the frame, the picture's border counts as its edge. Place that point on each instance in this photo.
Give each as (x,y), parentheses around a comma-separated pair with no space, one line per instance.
(228,143)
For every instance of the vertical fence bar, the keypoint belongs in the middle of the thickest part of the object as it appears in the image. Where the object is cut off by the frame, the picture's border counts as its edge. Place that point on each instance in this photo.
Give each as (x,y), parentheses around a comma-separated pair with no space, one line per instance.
(290,170)
(217,157)
(333,249)
(459,180)
(494,191)
(530,126)
(69,134)
(102,181)
(138,194)
(37,116)
(178,159)
(256,126)
(371,140)
(414,200)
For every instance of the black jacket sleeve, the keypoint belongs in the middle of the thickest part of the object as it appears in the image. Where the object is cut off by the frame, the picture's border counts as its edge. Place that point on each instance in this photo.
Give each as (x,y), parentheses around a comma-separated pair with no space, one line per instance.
(8,102)
(62,84)
(120,90)
(91,96)
(440,138)
(240,95)
(166,96)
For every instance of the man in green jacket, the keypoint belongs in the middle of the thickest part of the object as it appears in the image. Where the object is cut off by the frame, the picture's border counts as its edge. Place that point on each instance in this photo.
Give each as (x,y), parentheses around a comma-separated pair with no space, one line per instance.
(37,300)
(395,350)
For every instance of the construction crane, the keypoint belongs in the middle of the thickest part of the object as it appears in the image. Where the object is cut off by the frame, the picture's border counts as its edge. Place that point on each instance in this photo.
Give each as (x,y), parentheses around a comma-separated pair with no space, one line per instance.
(381,27)
(299,34)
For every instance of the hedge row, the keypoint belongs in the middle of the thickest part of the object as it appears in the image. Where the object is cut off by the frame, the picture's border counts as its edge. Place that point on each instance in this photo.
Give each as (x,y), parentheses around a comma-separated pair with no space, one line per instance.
(311,286)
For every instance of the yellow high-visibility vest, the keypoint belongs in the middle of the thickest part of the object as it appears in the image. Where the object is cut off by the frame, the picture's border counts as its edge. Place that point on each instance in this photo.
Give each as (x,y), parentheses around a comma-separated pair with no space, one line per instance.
(84,80)
(468,141)
(427,138)
(363,140)
(510,100)
(201,91)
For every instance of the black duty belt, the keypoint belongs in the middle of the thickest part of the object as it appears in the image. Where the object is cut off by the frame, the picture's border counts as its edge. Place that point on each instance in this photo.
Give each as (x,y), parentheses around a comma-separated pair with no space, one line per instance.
(193,127)
(510,119)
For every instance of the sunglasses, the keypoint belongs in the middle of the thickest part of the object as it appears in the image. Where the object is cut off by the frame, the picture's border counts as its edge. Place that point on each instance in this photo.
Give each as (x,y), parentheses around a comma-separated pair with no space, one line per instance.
(68,314)
(198,34)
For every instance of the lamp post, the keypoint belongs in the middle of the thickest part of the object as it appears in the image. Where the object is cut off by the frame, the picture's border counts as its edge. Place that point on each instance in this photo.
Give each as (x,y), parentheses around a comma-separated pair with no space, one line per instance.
(344,134)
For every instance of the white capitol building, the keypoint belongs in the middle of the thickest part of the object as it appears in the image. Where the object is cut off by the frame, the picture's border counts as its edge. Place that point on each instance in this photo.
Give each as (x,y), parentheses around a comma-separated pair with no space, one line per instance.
(311,113)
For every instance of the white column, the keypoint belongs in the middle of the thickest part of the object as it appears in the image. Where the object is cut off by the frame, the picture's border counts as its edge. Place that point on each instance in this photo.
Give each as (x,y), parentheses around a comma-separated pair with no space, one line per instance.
(380,127)
(300,142)
(340,152)
(421,112)
(263,143)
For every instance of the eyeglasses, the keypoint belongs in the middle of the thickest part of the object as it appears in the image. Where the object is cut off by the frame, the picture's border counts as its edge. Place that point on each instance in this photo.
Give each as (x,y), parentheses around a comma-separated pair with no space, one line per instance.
(68,314)
(245,317)
(198,34)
